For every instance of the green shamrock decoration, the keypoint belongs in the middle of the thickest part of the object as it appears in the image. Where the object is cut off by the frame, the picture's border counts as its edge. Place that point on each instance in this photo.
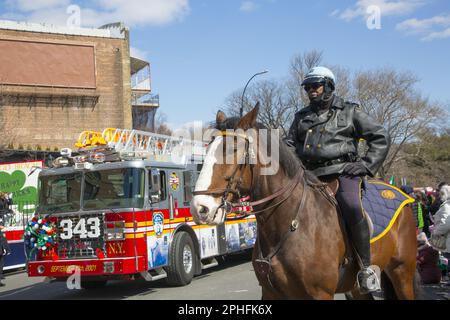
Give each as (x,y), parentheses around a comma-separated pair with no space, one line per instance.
(24,198)
(12,183)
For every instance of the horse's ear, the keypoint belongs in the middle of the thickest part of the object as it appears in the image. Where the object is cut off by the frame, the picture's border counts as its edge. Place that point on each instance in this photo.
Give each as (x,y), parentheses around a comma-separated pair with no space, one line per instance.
(249,120)
(220,117)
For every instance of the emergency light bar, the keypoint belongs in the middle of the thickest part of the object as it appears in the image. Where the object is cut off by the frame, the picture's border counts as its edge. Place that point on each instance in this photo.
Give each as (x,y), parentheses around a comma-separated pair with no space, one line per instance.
(80,159)
(97,157)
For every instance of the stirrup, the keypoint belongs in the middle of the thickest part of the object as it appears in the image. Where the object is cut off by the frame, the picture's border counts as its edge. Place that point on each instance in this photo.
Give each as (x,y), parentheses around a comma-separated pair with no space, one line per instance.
(368,281)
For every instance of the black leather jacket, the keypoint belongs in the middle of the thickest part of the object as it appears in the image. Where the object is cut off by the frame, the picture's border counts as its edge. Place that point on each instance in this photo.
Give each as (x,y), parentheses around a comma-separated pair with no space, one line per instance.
(326,143)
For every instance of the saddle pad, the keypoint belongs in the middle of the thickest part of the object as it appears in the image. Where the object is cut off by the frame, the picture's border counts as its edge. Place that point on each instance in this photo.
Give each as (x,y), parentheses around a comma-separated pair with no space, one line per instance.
(383,203)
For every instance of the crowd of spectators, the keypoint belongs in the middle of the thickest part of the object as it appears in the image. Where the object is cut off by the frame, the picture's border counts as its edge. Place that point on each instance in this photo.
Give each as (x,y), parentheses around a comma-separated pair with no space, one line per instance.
(432,213)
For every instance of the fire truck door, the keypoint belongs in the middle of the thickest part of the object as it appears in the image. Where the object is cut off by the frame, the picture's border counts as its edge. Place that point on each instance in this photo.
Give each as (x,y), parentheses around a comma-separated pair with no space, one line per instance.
(157,189)
(175,193)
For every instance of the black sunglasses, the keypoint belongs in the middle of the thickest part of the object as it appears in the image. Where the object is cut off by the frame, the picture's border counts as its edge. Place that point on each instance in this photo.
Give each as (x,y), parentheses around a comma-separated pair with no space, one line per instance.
(314,86)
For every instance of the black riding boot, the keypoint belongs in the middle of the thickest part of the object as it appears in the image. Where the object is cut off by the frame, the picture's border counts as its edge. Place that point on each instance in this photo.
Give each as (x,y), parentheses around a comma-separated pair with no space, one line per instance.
(367,278)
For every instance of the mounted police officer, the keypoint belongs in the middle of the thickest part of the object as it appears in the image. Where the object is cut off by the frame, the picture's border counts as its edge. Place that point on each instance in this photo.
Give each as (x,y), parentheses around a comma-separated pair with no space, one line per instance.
(326,135)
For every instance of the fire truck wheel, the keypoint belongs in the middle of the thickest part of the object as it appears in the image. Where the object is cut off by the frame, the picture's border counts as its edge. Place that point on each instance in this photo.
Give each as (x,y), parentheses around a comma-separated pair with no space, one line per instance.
(90,284)
(180,270)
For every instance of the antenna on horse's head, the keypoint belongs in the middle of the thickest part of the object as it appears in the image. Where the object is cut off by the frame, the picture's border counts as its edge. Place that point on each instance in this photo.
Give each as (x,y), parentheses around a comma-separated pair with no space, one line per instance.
(241,111)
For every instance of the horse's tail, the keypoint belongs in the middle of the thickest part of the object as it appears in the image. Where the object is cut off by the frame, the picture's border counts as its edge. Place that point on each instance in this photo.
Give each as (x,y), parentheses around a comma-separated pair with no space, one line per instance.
(388,288)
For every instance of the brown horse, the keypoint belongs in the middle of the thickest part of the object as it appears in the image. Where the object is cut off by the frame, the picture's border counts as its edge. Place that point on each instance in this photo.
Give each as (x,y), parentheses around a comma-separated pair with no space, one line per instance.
(301,251)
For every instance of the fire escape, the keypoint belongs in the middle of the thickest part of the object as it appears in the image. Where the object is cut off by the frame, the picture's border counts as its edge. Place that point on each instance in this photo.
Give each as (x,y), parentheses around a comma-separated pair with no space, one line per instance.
(144,103)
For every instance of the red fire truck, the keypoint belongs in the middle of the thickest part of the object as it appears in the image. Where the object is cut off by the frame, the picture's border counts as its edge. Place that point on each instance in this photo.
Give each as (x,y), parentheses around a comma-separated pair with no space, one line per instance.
(119,208)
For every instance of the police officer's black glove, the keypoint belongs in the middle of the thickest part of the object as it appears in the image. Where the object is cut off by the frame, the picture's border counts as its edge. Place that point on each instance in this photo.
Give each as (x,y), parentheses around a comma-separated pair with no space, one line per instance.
(356,169)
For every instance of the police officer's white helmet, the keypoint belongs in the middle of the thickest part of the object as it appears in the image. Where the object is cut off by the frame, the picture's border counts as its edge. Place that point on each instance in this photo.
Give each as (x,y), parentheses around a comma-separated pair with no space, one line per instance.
(320,75)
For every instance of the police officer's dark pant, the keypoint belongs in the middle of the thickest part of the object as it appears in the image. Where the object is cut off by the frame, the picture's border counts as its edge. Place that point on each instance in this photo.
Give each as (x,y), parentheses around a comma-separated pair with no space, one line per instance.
(348,197)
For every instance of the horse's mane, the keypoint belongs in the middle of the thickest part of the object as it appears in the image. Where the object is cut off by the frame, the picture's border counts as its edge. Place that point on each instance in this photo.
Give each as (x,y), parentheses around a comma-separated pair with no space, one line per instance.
(289,161)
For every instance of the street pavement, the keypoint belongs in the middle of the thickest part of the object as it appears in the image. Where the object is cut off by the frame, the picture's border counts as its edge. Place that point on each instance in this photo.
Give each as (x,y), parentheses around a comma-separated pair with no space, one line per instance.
(233,279)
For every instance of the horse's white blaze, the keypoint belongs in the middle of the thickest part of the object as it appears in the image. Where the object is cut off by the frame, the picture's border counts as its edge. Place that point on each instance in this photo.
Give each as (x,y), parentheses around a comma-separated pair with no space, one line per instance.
(205,177)
(204,182)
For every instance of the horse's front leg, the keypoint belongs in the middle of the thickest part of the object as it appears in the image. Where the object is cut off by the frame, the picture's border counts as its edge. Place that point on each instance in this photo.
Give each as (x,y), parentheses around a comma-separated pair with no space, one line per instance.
(322,295)
(269,295)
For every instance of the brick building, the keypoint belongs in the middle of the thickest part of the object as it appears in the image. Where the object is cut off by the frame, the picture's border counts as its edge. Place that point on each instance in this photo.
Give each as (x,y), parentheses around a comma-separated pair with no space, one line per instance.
(56,82)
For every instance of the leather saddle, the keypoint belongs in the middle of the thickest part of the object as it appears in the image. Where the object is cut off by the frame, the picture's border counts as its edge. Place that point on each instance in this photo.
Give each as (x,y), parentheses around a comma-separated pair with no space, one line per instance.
(332,184)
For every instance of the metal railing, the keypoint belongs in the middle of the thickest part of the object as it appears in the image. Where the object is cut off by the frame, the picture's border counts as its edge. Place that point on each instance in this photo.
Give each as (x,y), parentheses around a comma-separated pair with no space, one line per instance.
(141,79)
(147,99)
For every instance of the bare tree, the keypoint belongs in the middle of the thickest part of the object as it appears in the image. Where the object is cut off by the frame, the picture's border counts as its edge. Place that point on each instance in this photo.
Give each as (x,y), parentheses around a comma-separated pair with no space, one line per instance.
(388,95)
(299,66)
(161,126)
(343,81)
(275,110)
(279,99)
(391,98)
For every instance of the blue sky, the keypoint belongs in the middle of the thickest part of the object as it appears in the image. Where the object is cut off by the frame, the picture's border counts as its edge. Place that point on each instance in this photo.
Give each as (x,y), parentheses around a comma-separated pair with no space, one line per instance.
(202,50)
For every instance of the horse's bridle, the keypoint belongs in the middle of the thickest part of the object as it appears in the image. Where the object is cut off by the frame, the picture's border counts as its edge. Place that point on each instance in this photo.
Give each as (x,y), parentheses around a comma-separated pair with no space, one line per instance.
(225,192)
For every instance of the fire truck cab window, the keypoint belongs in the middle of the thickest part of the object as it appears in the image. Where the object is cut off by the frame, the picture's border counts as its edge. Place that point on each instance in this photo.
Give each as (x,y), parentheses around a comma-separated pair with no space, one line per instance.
(59,193)
(157,185)
(114,188)
(163,190)
(187,180)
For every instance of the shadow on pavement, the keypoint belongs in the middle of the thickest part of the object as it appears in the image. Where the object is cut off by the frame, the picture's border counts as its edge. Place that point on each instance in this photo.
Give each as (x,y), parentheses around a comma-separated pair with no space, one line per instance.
(114,289)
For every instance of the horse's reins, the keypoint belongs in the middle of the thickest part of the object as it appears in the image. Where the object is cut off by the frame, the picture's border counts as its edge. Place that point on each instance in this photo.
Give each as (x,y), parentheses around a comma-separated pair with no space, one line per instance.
(263,263)
(235,191)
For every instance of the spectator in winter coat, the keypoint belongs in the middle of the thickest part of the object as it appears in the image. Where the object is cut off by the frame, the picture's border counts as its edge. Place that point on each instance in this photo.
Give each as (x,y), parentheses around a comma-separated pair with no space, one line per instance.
(5,203)
(442,220)
(425,210)
(427,261)
(438,201)
(428,202)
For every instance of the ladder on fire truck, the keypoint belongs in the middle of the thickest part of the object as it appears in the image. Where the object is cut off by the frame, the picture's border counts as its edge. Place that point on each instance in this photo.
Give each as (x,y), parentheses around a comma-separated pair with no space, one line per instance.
(135,144)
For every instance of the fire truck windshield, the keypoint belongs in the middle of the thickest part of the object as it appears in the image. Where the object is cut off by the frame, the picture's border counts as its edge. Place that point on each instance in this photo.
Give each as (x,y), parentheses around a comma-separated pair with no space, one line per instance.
(113,188)
(59,193)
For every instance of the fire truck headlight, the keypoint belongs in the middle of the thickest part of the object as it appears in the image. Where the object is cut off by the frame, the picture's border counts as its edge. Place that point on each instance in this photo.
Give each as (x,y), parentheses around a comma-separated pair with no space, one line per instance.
(115,230)
(41,269)
(119,236)
(115,236)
